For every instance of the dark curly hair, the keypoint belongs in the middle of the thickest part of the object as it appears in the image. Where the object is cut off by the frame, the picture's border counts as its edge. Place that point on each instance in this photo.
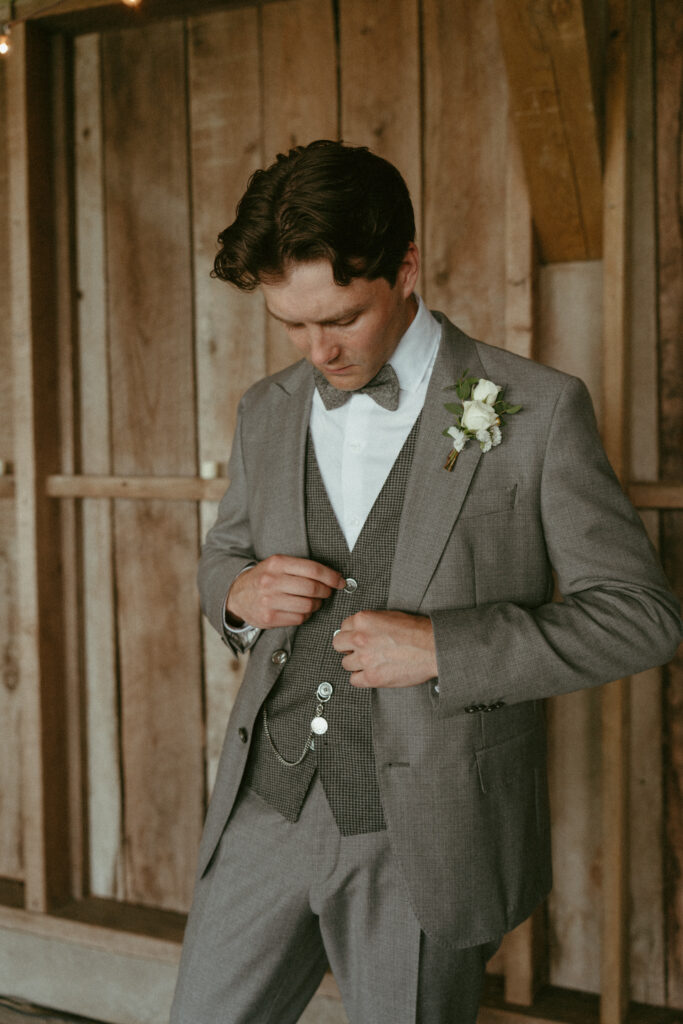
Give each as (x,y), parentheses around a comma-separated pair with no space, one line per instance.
(321,201)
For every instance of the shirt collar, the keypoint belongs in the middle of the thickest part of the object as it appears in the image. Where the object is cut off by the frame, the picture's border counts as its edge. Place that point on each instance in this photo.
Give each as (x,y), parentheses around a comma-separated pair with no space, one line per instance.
(415,353)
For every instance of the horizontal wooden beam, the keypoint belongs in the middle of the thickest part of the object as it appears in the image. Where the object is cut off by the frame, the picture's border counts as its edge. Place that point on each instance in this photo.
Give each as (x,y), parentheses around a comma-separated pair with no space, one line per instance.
(553,107)
(180,488)
(656,495)
(164,488)
(77,17)
(87,929)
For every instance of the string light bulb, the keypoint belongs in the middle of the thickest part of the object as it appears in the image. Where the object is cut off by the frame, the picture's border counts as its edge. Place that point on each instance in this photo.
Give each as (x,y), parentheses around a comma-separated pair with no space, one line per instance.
(5,44)
(132,3)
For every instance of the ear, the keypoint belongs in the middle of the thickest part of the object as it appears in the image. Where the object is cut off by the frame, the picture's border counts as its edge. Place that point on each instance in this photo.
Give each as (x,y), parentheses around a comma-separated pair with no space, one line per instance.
(409,270)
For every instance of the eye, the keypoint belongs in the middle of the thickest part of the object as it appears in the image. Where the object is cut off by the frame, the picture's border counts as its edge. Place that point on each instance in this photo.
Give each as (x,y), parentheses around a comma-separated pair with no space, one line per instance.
(346,323)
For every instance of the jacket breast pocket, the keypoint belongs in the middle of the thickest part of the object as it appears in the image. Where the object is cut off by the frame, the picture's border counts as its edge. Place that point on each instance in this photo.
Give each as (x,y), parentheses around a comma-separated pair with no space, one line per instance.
(486,503)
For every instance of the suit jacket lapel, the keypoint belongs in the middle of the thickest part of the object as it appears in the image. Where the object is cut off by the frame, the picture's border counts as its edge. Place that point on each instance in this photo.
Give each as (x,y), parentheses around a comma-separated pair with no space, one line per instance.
(433,496)
(291,414)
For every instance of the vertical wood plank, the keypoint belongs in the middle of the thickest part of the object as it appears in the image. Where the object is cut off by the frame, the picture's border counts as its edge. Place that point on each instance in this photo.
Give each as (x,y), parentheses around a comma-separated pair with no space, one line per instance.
(65,315)
(153,431)
(465,127)
(615,703)
(520,255)
(569,338)
(99,635)
(574,903)
(525,960)
(380,44)
(37,452)
(647,949)
(669,90)
(11,857)
(225,148)
(299,69)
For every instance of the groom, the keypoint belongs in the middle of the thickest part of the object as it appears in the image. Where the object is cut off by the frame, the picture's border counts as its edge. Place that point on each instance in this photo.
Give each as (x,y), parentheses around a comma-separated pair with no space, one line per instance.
(381,802)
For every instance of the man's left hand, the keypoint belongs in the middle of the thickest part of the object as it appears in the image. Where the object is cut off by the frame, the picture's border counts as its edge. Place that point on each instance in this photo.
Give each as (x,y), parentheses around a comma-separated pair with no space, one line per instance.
(387,649)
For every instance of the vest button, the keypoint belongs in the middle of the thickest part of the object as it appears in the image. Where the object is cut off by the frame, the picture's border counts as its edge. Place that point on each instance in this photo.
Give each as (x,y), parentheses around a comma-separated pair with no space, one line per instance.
(351,586)
(243,734)
(279,657)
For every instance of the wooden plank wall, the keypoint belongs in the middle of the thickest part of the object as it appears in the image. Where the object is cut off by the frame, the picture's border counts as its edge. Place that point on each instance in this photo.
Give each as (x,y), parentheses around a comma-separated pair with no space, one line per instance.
(170,120)
(669,120)
(11,859)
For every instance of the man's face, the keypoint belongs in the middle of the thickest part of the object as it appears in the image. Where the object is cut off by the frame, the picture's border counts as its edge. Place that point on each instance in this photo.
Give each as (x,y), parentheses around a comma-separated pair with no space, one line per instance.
(347,331)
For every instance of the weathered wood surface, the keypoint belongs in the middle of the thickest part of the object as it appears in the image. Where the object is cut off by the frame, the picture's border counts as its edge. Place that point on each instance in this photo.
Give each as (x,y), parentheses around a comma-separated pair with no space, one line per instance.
(62,153)
(11,858)
(647,960)
(153,431)
(45,804)
(520,256)
(99,630)
(552,106)
(230,354)
(298,64)
(168,488)
(616,708)
(380,43)
(465,152)
(669,112)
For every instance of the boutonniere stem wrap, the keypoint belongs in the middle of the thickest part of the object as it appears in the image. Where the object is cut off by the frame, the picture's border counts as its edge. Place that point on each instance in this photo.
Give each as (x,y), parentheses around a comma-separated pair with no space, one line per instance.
(480,414)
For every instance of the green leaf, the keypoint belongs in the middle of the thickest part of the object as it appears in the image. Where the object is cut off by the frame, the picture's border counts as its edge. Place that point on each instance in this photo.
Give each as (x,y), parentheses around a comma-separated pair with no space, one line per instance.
(452,407)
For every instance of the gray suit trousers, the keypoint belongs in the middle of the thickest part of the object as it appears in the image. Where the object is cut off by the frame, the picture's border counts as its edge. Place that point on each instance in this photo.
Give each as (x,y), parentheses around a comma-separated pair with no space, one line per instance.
(281,899)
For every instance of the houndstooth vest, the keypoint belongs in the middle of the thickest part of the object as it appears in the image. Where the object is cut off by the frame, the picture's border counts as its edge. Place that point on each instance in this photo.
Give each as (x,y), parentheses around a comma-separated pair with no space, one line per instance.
(344,754)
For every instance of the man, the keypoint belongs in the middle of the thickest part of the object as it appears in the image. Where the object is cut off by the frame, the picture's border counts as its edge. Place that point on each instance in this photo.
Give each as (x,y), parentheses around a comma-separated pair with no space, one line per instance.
(381,801)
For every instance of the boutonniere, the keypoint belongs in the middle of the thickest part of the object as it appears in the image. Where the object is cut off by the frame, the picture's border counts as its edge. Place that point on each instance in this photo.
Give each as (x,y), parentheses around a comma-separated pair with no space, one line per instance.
(479,414)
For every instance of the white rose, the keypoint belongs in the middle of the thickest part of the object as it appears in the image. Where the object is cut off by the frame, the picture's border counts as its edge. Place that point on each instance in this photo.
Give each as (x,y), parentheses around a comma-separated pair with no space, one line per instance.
(485,391)
(478,415)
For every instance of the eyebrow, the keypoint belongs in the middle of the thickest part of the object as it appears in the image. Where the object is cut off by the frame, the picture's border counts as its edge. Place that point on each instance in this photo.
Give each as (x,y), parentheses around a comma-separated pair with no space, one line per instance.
(345,315)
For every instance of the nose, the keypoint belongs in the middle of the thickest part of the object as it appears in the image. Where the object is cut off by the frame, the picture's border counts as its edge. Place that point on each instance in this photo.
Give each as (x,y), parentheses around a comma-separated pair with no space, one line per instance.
(322,349)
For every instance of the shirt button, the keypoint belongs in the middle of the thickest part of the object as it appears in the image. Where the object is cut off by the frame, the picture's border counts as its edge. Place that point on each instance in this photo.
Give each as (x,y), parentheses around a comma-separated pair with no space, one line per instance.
(243,734)
(351,586)
(279,657)
(355,446)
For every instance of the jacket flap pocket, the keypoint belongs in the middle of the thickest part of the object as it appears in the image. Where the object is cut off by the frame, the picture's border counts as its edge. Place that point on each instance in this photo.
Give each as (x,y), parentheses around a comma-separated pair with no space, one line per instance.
(501,765)
(485,503)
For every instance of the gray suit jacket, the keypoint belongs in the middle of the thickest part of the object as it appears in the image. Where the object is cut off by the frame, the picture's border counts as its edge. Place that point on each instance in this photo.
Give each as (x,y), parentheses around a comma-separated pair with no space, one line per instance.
(463,783)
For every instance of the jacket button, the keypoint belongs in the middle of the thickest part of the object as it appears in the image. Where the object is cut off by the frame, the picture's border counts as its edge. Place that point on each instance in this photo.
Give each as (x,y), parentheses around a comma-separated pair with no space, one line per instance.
(279,657)
(470,709)
(351,585)
(243,734)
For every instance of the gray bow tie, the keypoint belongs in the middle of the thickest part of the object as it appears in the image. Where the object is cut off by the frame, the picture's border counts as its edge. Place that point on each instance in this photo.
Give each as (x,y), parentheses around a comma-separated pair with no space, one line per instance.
(383,388)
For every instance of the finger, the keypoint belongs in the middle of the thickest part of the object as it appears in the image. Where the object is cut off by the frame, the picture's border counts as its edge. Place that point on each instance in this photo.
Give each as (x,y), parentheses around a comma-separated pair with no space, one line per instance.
(304,586)
(298,605)
(315,571)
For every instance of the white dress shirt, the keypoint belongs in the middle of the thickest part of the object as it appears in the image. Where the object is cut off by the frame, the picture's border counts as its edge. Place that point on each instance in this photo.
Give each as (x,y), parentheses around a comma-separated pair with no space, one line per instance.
(357,444)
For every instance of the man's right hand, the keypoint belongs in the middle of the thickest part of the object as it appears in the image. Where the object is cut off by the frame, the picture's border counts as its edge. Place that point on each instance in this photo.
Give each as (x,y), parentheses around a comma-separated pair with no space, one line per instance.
(281,591)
